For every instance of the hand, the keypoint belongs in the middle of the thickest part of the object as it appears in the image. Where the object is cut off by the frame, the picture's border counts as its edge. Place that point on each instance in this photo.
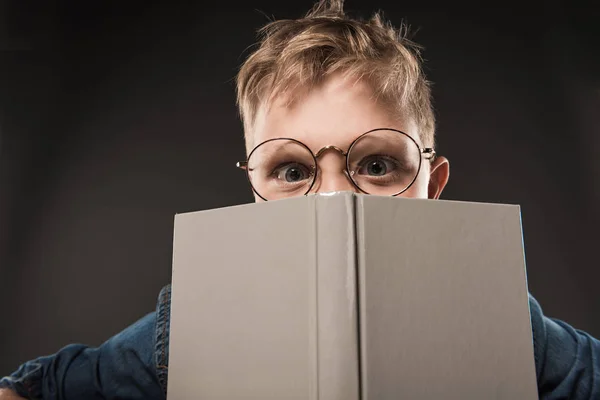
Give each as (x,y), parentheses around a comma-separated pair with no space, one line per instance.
(7,394)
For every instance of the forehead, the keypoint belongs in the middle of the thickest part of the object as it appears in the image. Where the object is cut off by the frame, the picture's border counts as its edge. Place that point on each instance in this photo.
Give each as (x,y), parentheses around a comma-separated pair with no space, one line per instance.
(334,113)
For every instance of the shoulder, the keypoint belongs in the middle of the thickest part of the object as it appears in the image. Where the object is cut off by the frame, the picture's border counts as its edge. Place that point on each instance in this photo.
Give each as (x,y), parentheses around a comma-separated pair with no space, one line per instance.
(161,347)
(567,360)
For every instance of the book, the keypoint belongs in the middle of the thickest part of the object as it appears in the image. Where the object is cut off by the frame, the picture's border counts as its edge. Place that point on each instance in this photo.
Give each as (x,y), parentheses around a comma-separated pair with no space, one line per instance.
(347,296)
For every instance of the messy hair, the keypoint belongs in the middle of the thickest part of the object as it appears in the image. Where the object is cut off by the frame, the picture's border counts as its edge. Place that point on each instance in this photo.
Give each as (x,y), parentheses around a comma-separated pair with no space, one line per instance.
(302,53)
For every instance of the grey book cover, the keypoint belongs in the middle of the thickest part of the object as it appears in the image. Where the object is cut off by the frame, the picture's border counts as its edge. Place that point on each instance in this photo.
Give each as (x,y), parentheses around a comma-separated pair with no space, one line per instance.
(347,296)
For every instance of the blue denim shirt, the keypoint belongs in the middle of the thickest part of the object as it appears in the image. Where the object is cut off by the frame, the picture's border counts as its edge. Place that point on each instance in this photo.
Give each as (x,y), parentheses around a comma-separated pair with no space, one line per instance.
(134,363)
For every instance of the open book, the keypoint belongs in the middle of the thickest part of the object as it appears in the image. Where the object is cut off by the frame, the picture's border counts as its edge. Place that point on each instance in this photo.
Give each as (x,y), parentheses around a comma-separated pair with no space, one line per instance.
(348,296)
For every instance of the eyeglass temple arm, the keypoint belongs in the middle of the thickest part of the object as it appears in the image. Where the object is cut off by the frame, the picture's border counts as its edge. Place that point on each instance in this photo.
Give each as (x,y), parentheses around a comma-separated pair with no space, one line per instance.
(242,164)
(429,153)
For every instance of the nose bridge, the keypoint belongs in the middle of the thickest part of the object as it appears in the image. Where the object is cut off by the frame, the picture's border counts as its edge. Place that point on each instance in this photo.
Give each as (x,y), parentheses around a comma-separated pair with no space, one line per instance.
(332,175)
(328,148)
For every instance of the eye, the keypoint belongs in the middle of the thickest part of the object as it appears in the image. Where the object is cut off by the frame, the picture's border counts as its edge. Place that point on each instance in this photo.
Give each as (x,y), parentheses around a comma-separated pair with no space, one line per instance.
(292,173)
(376,166)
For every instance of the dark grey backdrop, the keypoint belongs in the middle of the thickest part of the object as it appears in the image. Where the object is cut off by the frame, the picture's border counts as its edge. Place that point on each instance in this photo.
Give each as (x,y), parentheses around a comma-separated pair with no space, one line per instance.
(116,115)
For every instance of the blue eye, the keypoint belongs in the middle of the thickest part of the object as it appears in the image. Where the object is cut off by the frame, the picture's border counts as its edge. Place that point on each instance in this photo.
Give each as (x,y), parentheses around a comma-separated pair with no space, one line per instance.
(292,173)
(376,166)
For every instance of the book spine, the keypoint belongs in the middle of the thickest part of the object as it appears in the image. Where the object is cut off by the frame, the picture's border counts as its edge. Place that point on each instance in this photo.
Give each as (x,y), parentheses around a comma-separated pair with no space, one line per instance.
(336,299)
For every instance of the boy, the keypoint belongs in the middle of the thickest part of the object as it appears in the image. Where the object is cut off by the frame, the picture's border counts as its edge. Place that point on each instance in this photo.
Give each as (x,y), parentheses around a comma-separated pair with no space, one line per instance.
(328,103)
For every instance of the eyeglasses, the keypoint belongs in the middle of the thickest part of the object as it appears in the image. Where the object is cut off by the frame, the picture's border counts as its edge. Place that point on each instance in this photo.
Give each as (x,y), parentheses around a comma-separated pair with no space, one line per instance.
(382,161)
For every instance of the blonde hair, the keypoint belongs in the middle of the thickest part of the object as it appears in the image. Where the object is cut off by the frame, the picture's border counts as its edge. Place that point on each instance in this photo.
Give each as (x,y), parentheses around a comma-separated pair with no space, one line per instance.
(300,54)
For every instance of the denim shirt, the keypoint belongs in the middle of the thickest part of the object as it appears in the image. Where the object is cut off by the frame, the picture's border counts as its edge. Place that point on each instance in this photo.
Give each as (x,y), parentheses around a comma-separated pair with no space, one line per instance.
(134,363)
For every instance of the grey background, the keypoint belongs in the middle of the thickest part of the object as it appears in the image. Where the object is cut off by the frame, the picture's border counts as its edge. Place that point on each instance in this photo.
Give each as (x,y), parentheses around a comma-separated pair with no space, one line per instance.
(114,116)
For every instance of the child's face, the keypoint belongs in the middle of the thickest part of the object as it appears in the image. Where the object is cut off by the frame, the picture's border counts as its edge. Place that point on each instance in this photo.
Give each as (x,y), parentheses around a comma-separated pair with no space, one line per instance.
(335,114)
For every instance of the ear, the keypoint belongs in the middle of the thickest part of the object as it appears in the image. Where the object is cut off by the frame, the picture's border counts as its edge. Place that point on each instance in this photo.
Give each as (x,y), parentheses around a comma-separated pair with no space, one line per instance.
(438,177)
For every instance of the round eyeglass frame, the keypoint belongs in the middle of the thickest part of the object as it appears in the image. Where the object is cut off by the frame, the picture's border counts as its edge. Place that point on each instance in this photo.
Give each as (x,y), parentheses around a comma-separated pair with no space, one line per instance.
(428,152)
